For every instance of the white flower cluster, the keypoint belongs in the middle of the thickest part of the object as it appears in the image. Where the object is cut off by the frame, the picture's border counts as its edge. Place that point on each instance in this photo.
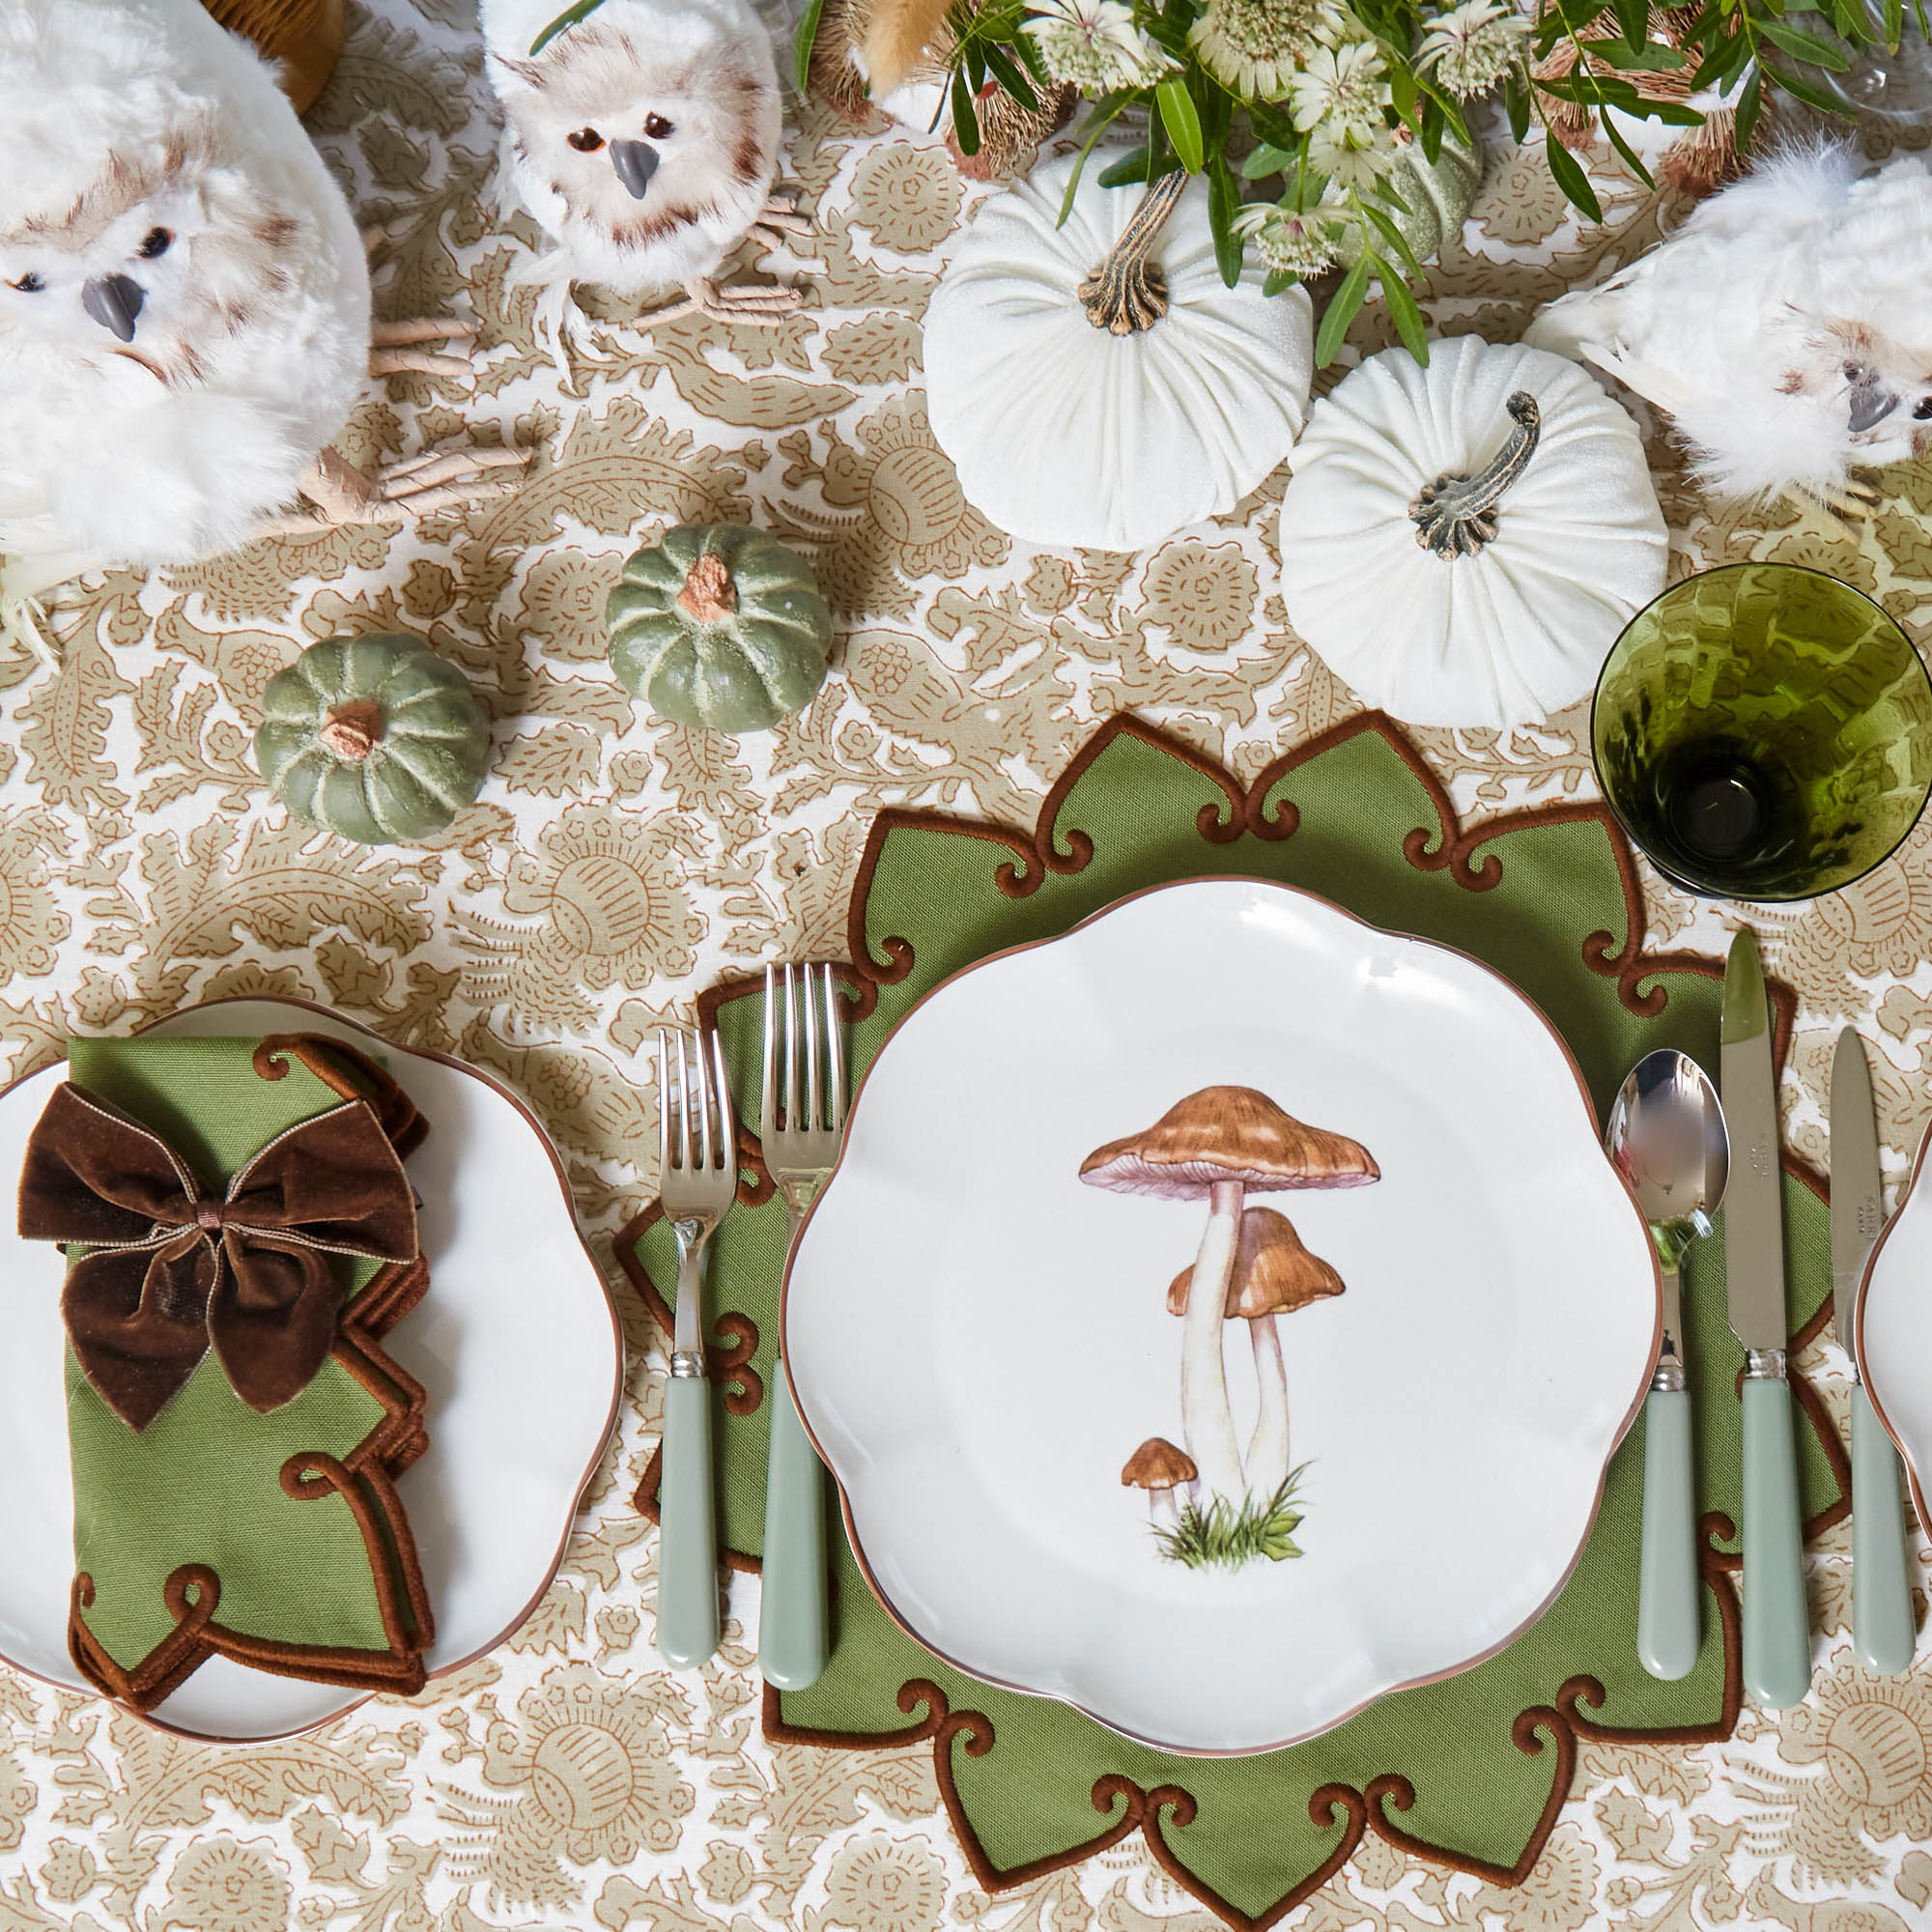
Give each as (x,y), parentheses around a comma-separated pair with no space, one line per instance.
(1094,46)
(1472,45)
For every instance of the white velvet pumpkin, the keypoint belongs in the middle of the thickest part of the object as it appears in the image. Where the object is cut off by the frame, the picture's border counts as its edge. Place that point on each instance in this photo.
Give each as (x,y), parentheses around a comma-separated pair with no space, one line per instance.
(1065,434)
(1519,629)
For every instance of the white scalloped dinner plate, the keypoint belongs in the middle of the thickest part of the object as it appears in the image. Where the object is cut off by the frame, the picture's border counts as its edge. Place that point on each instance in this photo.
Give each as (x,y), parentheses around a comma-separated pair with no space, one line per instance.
(517,1342)
(978,1342)
(1893,1329)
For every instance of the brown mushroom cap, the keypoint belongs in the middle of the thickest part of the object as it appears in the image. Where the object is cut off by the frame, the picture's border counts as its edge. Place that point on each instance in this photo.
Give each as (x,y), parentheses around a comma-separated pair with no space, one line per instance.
(1157,1465)
(1273,1273)
(1228,1133)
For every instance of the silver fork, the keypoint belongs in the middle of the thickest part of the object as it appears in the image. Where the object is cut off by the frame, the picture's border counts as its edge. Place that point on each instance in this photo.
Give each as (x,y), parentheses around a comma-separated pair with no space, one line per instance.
(698,1162)
(801,1124)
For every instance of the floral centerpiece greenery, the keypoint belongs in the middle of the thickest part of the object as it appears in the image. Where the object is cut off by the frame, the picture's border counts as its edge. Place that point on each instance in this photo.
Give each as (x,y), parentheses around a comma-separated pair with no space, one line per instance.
(1297,112)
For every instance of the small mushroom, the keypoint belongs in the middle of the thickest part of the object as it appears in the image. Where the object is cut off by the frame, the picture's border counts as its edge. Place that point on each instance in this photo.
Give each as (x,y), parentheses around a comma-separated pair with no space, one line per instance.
(1274,1274)
(1221,1142)
(1159,1468)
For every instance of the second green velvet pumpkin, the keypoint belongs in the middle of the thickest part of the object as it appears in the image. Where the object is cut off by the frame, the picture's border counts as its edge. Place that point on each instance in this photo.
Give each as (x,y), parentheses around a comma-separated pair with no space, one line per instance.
(720,626)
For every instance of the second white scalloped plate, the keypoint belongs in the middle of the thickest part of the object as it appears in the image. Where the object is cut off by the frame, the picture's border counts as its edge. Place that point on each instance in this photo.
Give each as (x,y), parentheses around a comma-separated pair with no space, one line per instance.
(516,1342)
(1893,1329)
(978,1342)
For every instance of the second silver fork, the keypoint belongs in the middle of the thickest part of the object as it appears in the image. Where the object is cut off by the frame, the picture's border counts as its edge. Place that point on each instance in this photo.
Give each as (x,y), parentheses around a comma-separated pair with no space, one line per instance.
(801,1124)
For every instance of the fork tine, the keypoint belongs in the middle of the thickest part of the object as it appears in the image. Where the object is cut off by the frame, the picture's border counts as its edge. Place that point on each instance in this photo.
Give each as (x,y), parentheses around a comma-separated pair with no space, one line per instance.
(703,1104)
(727,1123)
(664,1100)
(768,1089)
(684,1084)
(814,1118)
(834,1052)
(791,1119)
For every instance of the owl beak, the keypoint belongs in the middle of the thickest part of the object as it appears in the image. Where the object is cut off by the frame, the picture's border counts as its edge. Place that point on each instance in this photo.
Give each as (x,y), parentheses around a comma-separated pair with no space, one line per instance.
(636,162)
(114,302)
(1871,402)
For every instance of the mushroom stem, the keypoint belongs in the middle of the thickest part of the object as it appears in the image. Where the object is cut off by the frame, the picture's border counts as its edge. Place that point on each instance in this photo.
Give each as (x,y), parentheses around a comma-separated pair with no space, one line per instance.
(1268,1446)
(1205,1419)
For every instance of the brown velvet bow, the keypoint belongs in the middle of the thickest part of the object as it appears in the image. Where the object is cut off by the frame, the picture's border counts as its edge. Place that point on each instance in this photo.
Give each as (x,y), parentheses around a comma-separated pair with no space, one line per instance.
(172,1269)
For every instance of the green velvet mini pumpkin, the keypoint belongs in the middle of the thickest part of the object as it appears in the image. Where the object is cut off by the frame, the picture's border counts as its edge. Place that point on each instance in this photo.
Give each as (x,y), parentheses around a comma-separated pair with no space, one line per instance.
(720,626)
(375,739)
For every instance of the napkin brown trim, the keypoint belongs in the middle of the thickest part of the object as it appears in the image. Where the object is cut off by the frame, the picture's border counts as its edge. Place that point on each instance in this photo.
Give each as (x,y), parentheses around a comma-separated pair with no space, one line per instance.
(398,1439)
(1460,853)
(396,1575)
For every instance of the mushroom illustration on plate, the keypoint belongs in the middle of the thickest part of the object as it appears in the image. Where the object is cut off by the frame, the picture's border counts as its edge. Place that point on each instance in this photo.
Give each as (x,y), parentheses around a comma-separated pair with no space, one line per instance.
(1221,1144)
(1274,1274)
(1159,1468)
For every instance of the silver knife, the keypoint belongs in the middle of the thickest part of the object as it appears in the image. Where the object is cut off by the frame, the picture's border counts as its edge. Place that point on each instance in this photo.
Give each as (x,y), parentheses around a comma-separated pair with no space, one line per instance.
(1882,1621)
(1778,1637)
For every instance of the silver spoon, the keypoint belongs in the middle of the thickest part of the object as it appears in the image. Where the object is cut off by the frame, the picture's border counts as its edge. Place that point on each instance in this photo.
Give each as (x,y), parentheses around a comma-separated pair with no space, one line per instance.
(1667,1137)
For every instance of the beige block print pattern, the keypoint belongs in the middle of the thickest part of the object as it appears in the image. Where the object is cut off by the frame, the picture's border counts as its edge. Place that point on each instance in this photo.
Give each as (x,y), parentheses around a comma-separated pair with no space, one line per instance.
(615,864)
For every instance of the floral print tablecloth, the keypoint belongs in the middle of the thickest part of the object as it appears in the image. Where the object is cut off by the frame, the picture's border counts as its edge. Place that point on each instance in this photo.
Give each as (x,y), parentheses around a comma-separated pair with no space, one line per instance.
(613,867)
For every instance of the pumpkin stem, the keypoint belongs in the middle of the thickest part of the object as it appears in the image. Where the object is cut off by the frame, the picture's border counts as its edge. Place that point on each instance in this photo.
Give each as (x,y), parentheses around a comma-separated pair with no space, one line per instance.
(352,730)
(1126,293)
(1456,516)
(708,592)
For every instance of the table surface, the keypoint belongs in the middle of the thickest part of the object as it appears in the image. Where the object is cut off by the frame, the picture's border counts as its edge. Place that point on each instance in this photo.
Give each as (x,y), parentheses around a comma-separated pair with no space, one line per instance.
(614,865)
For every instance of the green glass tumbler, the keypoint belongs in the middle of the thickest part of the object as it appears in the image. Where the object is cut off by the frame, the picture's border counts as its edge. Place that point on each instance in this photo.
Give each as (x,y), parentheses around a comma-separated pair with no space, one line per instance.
(1764,732)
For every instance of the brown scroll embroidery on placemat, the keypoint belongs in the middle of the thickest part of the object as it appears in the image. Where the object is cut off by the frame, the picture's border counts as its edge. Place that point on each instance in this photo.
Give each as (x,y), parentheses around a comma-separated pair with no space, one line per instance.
(1368,1808)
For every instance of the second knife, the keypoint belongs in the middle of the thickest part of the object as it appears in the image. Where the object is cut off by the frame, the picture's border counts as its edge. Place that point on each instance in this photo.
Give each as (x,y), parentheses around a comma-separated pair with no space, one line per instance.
(1882,1621)
(1776,1636)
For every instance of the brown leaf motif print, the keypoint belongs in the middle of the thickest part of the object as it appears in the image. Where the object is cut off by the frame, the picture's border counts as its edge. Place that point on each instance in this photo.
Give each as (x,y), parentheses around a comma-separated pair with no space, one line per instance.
(1865,1748)
(582,1773)
(615,865)
(909,197)
(1203,595)
(601,904)
(221,1885)
(878,1884)
(896,512)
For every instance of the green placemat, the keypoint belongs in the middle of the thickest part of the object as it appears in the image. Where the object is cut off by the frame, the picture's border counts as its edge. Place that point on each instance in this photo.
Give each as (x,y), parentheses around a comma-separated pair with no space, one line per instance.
(1472,1770)
(187,1541)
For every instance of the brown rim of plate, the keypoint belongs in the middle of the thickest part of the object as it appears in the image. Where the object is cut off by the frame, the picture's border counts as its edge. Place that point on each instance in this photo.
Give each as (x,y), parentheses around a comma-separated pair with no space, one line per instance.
(1408,1682)
(1854,1344)
(555,1563)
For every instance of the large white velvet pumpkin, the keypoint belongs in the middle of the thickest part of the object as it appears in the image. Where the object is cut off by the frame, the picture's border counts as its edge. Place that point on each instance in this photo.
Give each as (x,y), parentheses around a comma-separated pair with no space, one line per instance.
(1485,630)
(1065,433)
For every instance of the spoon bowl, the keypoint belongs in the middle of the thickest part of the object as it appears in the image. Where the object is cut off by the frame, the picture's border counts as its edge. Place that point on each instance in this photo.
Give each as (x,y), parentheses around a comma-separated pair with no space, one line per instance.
(1667,1137)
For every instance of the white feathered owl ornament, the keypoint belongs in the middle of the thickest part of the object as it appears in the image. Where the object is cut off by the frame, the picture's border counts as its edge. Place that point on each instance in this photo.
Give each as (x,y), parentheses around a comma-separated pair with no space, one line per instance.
(1784,327)
(644,139)
(184,307)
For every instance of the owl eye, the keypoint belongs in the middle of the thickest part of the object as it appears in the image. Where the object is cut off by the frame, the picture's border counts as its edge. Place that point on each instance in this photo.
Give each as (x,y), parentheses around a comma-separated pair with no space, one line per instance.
(1924,413)
(28,285)
(586,140)
(156,243)
(657,127)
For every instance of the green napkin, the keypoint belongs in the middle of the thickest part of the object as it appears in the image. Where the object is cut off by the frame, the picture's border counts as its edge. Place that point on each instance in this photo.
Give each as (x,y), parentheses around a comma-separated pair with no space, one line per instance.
(188,1540)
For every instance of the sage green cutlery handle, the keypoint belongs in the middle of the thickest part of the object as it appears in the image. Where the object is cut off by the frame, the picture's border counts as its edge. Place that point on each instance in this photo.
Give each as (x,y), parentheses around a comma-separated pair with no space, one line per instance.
(1777,1630)
(793,1613)
(688,1526)
(1667,1592)
(1882,1624)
